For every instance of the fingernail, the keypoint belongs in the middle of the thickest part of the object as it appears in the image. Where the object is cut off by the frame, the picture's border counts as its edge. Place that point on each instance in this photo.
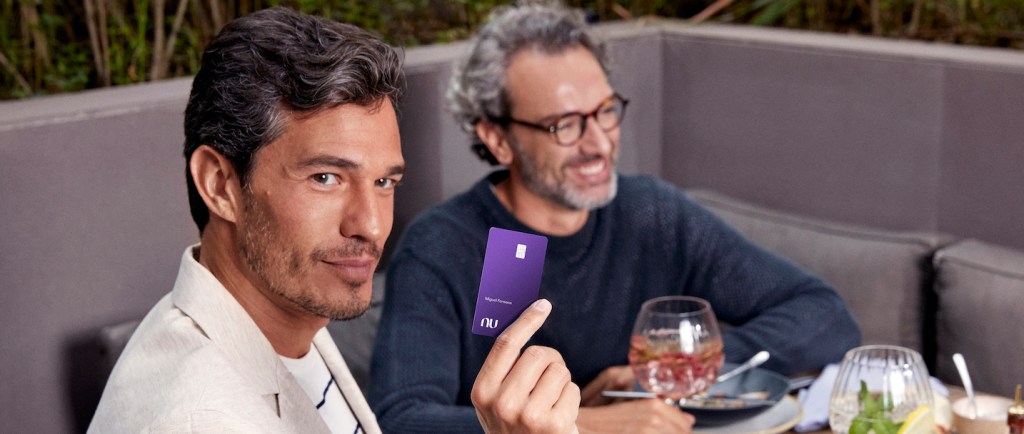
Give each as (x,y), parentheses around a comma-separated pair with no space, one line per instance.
(542,305)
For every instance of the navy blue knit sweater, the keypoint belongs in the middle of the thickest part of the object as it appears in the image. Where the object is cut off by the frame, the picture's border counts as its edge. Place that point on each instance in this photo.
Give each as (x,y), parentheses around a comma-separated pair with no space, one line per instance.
(650,241)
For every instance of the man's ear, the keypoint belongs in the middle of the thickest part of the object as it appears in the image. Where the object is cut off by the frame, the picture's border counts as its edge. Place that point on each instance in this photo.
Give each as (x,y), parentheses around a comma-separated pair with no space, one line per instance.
(494,137)
(217,182)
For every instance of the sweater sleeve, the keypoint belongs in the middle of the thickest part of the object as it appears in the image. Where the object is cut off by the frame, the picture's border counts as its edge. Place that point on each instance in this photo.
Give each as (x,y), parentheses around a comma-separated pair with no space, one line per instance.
(769,303)
(420,323)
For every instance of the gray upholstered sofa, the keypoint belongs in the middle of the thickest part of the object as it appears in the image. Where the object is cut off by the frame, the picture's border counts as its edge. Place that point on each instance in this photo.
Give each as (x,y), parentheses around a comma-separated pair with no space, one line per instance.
(930,292)
(914,140)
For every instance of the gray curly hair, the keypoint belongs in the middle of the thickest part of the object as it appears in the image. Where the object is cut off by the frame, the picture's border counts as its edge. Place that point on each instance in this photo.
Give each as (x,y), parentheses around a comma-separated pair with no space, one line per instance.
(478,88)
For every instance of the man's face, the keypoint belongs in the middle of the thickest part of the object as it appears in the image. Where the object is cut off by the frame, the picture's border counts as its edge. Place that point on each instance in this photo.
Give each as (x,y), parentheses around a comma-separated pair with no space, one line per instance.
(318,208)
(541,88)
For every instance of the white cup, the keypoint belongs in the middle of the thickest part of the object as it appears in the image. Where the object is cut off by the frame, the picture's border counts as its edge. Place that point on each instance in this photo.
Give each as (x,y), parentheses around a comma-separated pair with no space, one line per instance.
(991,418)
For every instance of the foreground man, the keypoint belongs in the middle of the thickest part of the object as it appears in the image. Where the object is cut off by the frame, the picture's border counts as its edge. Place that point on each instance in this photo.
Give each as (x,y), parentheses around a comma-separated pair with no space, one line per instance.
(534,90)
(293,154)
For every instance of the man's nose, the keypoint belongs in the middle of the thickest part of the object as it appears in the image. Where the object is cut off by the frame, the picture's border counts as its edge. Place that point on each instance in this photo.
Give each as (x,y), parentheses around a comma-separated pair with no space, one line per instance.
(595,139)
(364,216)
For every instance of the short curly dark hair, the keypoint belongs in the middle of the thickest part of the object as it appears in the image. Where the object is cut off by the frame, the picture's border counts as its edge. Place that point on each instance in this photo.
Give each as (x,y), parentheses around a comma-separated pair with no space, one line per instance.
(272,63)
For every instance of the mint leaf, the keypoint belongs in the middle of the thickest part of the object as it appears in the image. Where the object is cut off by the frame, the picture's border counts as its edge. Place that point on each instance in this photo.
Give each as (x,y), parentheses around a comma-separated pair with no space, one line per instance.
(868,404)
(881,427)
(860,426)
(873,415)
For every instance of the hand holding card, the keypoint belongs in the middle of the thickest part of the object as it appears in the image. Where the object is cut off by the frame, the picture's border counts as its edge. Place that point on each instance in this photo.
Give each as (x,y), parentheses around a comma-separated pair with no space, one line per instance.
(510,279)
(535,390)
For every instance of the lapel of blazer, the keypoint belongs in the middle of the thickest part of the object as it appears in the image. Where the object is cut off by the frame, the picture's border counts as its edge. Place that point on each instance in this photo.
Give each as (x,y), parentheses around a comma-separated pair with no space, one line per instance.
(297,411)
(339,369)
(202,297)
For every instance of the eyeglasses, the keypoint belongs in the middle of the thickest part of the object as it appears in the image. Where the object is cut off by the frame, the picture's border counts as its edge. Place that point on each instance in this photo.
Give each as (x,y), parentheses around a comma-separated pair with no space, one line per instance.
(568,128)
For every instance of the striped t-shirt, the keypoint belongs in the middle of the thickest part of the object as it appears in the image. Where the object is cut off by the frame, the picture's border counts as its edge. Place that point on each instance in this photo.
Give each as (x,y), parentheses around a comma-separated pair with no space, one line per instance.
(314,377)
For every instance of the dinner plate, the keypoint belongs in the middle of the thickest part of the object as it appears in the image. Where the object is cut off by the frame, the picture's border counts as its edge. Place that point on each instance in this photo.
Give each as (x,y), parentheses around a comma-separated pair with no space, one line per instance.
(772,385)
(779,418)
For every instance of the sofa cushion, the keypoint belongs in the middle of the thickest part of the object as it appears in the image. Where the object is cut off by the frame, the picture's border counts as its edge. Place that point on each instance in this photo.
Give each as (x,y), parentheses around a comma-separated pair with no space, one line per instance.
(883,276)
(112,341)
(981,296)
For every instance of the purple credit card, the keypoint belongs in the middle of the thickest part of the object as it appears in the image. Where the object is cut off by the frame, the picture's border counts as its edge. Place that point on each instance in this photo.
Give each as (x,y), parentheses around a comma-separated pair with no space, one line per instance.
(510,280)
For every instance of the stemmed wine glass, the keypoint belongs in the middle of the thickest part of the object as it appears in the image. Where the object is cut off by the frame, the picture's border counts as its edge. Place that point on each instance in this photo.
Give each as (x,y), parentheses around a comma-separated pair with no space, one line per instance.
(878,384)
(676,347)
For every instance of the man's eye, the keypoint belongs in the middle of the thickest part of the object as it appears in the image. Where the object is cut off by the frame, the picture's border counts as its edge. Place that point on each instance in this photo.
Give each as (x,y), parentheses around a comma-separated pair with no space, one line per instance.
(387,183)
(566,124)
(325,178)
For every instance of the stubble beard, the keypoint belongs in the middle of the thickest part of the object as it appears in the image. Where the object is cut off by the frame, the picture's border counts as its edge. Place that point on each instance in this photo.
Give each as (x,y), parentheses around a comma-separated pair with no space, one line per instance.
(544,182)
(281,270)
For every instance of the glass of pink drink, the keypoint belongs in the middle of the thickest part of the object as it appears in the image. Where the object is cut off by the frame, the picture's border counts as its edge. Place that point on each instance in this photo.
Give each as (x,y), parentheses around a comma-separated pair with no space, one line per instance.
(676,347)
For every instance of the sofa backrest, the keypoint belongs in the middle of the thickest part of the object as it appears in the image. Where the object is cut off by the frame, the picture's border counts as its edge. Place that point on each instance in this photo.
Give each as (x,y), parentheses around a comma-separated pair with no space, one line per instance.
(980,290)
(899,135)
(882,276)
(93,222)
(917,290)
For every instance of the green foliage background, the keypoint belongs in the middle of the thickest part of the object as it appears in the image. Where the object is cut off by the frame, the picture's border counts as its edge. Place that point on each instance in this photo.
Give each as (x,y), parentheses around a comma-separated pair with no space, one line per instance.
(68,45)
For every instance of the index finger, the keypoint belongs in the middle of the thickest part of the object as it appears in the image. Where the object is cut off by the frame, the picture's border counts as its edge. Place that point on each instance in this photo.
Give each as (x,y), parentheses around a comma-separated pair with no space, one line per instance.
(506,348)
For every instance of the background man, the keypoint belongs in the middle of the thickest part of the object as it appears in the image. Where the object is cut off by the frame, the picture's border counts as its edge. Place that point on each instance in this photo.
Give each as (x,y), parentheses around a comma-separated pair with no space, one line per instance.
(534,90)
(293,154)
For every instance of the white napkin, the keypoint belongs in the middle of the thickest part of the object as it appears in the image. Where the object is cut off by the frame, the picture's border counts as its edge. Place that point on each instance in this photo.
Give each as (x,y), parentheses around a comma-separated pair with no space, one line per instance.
(815,399)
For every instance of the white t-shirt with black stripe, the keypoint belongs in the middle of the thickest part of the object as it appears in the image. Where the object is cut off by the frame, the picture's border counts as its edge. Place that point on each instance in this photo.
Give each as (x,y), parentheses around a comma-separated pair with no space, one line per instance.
(314,377)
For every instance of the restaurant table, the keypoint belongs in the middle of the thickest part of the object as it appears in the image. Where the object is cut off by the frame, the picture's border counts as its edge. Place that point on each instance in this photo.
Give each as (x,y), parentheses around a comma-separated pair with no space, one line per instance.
(955,393)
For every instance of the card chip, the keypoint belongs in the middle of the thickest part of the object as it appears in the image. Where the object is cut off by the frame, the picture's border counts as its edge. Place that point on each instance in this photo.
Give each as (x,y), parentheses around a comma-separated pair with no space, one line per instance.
(521,251)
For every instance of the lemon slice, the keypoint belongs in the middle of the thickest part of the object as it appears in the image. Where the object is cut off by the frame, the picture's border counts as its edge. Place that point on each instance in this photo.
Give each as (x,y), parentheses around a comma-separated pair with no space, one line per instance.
(920,421)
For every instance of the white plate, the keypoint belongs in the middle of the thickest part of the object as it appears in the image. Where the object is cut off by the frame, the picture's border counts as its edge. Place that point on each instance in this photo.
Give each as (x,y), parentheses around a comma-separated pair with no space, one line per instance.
(779,418)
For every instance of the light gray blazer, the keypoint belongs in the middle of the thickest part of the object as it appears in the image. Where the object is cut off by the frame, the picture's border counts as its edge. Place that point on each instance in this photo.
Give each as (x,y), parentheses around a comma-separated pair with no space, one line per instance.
(198,363)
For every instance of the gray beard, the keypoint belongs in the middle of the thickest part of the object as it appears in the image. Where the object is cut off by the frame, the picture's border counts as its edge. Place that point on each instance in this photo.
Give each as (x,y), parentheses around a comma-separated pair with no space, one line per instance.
(557,193)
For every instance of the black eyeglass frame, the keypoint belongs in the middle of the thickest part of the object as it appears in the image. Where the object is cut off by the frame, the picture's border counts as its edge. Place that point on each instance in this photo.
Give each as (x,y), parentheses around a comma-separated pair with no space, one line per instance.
(553,128)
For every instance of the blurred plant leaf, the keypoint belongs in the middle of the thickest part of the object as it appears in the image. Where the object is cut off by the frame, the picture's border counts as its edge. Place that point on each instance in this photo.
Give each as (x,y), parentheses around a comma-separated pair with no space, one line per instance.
(46,43)
(775,10)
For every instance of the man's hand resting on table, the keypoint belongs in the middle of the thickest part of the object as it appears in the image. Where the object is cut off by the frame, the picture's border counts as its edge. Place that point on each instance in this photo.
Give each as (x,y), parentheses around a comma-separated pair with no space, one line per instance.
(614,378)
(604,415)
(528,393)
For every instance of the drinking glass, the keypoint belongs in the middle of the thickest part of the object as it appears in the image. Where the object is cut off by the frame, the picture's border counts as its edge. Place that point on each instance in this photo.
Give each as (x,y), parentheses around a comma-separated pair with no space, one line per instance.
(878,384)
(676,347)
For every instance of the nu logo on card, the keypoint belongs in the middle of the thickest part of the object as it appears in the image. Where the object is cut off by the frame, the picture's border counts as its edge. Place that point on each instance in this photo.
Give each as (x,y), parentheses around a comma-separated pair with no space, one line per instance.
(489,323)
